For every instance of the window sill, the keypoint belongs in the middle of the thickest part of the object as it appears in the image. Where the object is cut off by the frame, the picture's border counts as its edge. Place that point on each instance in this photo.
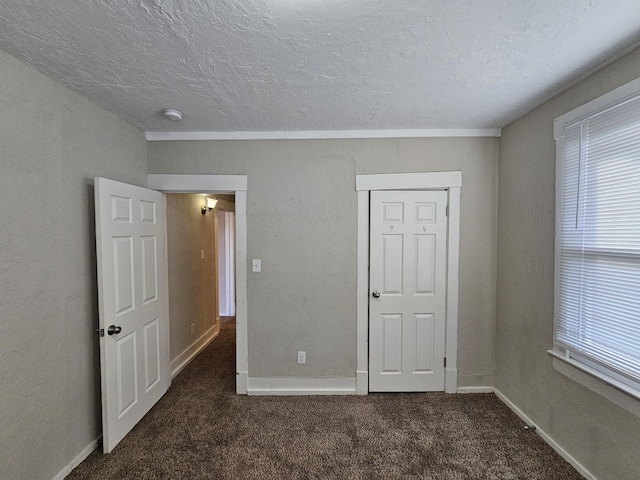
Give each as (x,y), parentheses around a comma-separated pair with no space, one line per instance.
(609,388)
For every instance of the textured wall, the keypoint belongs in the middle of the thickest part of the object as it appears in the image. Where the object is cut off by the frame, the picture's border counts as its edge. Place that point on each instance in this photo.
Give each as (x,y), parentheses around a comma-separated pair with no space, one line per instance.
(301,220)
(52,143)
(600,435)
(192,280)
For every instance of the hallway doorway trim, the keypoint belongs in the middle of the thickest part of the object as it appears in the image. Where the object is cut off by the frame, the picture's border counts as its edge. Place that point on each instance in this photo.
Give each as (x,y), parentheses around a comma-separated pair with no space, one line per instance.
(237,185)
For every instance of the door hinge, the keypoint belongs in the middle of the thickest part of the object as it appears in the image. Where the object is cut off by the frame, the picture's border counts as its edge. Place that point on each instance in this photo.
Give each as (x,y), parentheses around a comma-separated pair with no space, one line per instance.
(447,210)
(100,331)
(445,362)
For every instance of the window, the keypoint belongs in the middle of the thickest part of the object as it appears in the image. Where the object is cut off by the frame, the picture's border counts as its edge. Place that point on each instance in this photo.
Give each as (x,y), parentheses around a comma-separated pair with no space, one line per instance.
(597,278)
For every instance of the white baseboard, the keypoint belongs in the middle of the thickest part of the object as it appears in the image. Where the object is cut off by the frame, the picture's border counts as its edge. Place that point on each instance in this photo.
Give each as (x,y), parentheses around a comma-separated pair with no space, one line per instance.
(192,351)
(301,386)
(561,451)
(476,390)
(77,460)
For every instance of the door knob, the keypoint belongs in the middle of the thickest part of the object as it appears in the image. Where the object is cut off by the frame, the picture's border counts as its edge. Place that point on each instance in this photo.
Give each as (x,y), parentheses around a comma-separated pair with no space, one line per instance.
(114,330)
(375,294)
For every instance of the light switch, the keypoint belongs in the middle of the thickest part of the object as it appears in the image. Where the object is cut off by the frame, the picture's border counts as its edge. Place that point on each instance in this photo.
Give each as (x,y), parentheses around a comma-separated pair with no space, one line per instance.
(201,253)
(257,265)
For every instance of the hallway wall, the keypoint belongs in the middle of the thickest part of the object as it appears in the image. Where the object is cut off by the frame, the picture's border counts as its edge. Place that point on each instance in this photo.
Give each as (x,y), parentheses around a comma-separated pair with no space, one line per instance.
(192,279)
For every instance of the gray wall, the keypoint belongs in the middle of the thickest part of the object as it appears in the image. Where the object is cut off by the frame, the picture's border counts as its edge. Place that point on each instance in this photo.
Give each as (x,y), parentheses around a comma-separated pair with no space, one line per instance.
(301,220)
(599,434)
(52,143)
(192,280)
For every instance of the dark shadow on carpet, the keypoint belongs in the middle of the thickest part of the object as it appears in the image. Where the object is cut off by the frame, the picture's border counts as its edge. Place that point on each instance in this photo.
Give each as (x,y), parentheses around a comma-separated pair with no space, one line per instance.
(200,429)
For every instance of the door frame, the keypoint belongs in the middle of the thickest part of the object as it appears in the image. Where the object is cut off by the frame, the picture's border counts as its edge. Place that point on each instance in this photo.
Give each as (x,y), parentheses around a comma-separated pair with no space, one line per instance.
(228,254)
(237,185)
(452,183)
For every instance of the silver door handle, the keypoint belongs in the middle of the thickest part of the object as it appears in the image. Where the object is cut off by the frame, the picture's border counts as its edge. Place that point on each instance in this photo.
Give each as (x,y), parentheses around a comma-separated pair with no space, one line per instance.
(114,330)
(375,294)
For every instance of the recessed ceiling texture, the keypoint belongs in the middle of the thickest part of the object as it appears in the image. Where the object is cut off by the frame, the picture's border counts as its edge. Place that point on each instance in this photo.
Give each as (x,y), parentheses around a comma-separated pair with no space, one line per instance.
(308,65)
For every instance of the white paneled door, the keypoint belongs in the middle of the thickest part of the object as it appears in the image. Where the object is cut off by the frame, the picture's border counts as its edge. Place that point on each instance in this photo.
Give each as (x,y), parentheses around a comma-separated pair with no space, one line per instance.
(133,305)
(407,291)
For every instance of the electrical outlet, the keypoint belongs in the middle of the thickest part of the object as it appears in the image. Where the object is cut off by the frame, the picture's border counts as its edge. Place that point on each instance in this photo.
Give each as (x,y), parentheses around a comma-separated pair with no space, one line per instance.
(193,328)
(302,358)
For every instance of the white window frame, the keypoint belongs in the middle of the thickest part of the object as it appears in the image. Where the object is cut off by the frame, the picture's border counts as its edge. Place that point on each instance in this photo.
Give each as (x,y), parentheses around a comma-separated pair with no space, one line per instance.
(571,365)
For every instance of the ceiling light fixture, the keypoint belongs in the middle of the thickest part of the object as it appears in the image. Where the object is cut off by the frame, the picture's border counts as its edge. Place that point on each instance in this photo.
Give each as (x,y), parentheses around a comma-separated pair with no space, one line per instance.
(172,114)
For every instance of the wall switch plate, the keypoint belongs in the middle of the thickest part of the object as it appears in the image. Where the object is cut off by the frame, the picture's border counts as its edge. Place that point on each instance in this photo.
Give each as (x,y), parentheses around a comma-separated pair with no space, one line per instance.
(201,253)
(257,265)
(302,358)
(193,328)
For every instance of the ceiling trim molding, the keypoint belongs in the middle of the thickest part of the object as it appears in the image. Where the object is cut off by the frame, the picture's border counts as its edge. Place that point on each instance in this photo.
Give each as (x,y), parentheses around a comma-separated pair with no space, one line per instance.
(323,134)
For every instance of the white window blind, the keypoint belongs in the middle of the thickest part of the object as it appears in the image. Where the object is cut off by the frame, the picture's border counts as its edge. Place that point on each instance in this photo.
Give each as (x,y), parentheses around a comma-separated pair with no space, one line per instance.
(598,241)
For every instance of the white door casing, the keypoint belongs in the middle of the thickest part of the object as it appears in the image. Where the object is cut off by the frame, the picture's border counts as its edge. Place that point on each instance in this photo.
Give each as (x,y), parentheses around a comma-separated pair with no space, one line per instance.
(407,291)
(450,181)
(237,185)
(132,297)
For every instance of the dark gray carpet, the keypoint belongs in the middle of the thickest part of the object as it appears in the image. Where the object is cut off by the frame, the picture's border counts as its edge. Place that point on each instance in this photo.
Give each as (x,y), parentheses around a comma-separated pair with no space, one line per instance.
(201,429)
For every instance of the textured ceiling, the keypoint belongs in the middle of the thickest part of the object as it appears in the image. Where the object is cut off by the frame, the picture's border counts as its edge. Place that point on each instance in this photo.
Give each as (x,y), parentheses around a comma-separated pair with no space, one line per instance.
(286,65)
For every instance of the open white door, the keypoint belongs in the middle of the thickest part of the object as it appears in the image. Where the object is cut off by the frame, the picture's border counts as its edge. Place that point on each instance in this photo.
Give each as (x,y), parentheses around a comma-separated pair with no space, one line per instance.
(133,304)
(407,291)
